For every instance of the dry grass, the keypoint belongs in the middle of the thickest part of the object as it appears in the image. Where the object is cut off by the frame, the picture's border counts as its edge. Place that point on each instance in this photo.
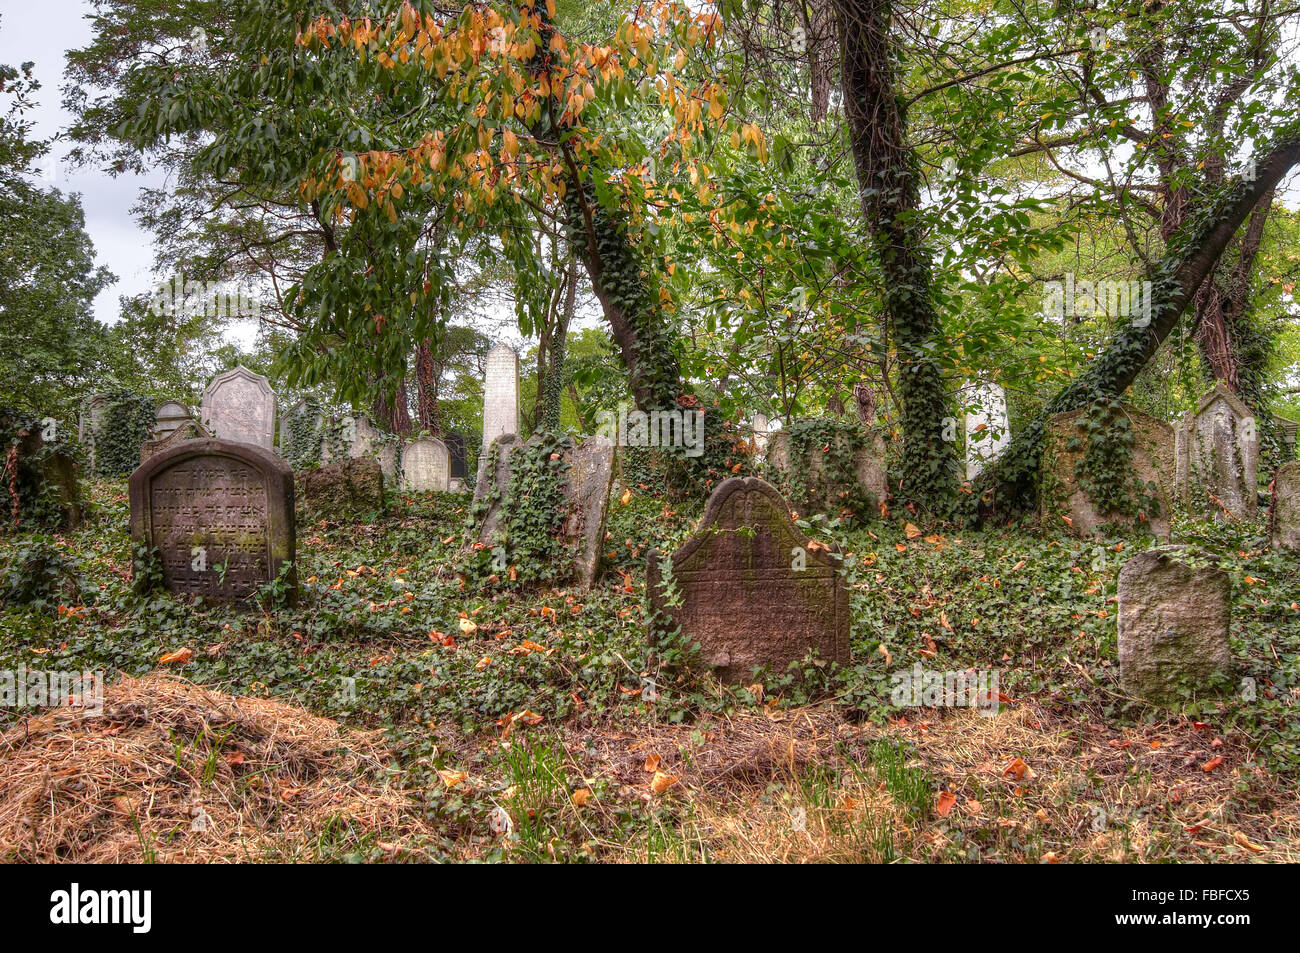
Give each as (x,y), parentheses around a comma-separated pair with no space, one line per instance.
(174,772)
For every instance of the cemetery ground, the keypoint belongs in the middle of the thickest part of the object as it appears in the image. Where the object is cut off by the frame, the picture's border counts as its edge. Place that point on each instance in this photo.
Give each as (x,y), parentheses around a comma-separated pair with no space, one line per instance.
(399,713)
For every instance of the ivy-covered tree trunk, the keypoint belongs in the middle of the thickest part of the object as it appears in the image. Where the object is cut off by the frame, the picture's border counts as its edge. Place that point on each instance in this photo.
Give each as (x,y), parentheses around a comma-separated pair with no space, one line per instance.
(392,414)
(550,355)
(1190,257)
(890,196)
(428,373)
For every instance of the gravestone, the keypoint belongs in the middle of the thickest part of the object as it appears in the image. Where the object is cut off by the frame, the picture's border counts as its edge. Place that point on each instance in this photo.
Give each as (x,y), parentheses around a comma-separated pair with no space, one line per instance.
(345,489)
(240,406)
(38,473)
(1284,517)
(817,490)
(456,446)
(1286,430)
(1063,501)
(988,431)
(761,431)
(88,425)
(188,430)
(1217,453)
(361,438)
(301,432)
(170,415)
(500,396)
(426,466)
(753,590)
(221,515)
(1173,625)
(589,479)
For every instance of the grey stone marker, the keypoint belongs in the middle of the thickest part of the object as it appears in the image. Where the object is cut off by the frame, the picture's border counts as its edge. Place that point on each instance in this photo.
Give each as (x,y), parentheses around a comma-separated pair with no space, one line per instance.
(1153,466)
(220,513)
(586,493)
(91,419)
(868,468)
(426,466)
(500,396)
(753,590)
(240,406)
(1284,519)
(493,484)
(1173,625)
(1217,454)
(170,415)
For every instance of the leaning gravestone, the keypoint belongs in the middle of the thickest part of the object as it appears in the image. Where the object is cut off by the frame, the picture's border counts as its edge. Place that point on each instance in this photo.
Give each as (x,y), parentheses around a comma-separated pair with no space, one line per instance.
(500,396)
(240,406)
(752,590)
(1151,480)
(426,466)
(188,430)
(1173,625)
(988,430)
(1218,456)
(805,473)
(493,485)
(170,415)
(221,515)
(1284,518)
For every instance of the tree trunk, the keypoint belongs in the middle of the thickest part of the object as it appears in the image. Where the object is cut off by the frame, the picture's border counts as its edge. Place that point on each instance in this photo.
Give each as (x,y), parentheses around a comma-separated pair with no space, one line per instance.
(889,191)
(428,375)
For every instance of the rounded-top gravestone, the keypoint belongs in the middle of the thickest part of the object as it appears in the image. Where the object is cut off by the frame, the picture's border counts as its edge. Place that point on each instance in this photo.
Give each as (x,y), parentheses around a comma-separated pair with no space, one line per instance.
(240,405)
(426,466)
(219,513)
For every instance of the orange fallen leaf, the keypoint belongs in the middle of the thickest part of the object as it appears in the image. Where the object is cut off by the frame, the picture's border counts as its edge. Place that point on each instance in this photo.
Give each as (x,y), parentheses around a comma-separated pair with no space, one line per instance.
(945,802)
(452,778)
(1244,841)
(652,763)
(1212,763)
(662,782)
(179,656)
(911,531)
(580,797)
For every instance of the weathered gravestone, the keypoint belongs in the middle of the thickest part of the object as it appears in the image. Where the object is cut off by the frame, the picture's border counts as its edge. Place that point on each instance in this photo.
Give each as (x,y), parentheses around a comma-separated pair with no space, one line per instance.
(752,590)
(988,430)
(301,432)
(188,430)
(221,515)
(1217,454)
(588,478)
(89,424)
(1173,625)
(761,430)
(38,475)
(240,406)
(344,489)
(426,466)
(1148,484)
(1286,430)
(1284,518)
(500,396)
(170,415)
(360,438)
(798,460)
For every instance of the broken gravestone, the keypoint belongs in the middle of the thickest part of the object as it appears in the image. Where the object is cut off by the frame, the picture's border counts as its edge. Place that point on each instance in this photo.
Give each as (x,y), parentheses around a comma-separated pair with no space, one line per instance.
(588,474)
(1173,625)
(220,514)
(353,437)
(825,465)
(750,588)
(189,429)
(1284,516)
(1146,486)
(1218,456)
(345,489)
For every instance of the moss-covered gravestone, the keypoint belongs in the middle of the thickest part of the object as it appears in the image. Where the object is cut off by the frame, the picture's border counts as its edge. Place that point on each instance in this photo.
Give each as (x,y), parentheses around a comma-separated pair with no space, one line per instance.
(1218,456)
(186,430)
(750,588)
(220,514)
(1173,625)
(1108,464)
(827,465)
(1284,517)
(346,489)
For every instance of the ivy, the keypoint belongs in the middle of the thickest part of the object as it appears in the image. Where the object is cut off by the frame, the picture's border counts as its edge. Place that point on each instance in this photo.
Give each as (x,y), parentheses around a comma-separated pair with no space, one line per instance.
(833,483)
(128,422)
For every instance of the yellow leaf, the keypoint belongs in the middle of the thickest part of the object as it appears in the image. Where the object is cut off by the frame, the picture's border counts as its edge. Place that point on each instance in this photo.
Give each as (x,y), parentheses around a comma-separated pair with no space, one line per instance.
(911,531)
(662,782)
(580,796)
(452,778)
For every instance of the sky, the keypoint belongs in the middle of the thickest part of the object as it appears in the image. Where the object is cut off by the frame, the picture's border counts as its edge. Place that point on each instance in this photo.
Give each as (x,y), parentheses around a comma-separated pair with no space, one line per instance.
(26,34)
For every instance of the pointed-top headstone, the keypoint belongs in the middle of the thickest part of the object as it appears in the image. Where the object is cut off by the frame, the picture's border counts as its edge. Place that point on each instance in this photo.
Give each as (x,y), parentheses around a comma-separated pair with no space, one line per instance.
(1218,456)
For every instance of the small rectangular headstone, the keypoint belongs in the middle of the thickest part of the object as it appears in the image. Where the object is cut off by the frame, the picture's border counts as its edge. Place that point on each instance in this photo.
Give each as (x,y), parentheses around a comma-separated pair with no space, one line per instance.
(1173,625)
(1218,457)
(1284,515)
